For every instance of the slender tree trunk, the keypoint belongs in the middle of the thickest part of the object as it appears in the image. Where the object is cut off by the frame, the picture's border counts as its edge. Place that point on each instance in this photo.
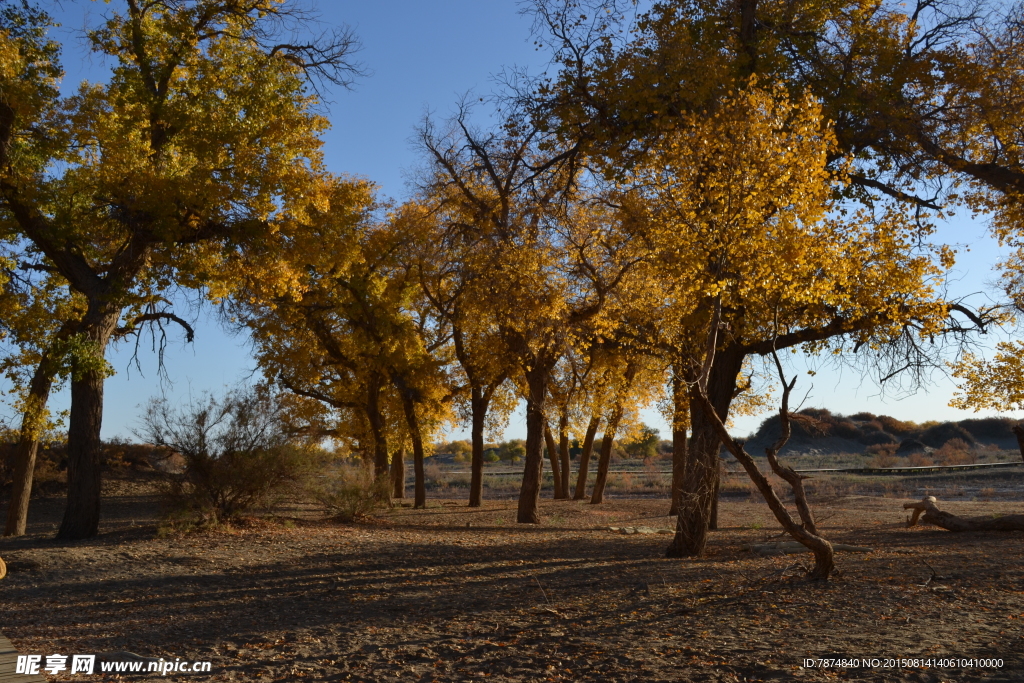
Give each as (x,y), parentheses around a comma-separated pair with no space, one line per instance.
(697,497)
(27,447)
(680,420)
(537,379)
(588,448)
(606,454)
(398,473)
(552,450)
(1018,431)
(85,450)
(420,486)
(478,405)
(563,453)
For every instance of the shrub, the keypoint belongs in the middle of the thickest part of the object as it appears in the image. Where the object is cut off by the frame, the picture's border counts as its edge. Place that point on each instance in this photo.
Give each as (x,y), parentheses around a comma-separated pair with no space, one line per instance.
(863,417)
(956,452)
(919,459)
(350,491)
(989,427)
(882,449)
(236,451)
(939,434)
(883,459)
(897,427)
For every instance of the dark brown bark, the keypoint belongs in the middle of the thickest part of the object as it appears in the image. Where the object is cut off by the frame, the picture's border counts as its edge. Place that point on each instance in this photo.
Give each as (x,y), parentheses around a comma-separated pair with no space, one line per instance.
(478,405)
(606,454)
(82,514)
(413,423)
(697,496)
(537,379)
(1018,431)
(951,522)
(27,447)
(398,474)
(563,454)
(587,449)
(378,430)
(680,420)
(552,451)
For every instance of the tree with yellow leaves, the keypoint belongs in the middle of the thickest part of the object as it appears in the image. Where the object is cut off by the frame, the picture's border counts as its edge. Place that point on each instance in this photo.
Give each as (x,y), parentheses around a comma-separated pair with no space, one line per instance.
(178,163)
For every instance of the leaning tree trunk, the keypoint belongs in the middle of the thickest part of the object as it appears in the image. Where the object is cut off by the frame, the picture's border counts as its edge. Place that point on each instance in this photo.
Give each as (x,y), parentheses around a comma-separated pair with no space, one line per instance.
(563,453)
(556,473)
(478,406)
(588,448)
(27,447)
(697,496)
(680,420)
(537,379)
(398,474)
(85,450)
(606,454)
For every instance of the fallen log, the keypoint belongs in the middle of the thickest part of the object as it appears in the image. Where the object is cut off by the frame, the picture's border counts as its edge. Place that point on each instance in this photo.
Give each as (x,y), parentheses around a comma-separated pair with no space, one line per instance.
(926,511)
(794,547)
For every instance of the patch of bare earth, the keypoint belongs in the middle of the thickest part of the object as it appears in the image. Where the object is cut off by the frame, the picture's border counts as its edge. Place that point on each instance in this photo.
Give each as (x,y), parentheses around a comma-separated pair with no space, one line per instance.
(456,594)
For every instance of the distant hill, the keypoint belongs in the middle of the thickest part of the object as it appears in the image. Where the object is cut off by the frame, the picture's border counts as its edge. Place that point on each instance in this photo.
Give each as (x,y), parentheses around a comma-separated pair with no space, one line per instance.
(820,430)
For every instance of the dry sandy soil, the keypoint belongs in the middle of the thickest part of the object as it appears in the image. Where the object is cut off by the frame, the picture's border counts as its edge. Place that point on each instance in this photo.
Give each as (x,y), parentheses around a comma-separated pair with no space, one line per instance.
(457,594)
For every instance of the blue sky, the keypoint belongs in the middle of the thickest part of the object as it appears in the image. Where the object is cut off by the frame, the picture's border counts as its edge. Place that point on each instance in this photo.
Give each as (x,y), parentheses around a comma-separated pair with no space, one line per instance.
(422,57)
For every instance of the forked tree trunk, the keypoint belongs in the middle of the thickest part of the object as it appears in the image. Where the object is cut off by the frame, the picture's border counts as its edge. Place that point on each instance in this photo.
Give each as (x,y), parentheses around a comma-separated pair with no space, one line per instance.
(537,379)
(478,406)
(697,496)
(680,420)
(27,447)
(556,474)
(563,453)
(606,454)
(398,473)
(588,448)
(82,514)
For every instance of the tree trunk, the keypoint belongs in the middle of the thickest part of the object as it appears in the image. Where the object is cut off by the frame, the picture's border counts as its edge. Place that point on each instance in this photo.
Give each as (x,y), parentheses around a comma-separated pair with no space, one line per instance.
(398,474)
(588,448)
(537,379)
(563,453)
(1018,431)
(951,522)
(27,447)
(377,426)
(606,454)
(85,450)
(556,473)
(478,405)
(680,421)
(697,496)
(412,421)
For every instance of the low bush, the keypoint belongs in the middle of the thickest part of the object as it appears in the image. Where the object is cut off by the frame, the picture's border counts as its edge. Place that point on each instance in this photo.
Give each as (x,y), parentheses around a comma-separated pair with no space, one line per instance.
(349,491)
(237,455)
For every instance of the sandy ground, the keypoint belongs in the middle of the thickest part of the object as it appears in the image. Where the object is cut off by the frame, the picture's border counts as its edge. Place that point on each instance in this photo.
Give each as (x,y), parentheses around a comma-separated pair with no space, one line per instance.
(457,594)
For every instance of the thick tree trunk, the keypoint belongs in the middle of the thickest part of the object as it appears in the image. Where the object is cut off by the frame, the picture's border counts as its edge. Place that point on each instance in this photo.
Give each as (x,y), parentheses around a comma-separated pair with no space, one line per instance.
(377,427)
(563,453)
(606,454)
(680,421)
(556,473)
(413,423)
(27,447)
(1018,431)
(697,497)
(398,474)
(588,448)
(537,379)
(478,405)
(85,455)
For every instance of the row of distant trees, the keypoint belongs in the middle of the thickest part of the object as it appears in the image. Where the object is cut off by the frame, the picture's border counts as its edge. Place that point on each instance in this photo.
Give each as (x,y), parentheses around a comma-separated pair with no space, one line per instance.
(688,193)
